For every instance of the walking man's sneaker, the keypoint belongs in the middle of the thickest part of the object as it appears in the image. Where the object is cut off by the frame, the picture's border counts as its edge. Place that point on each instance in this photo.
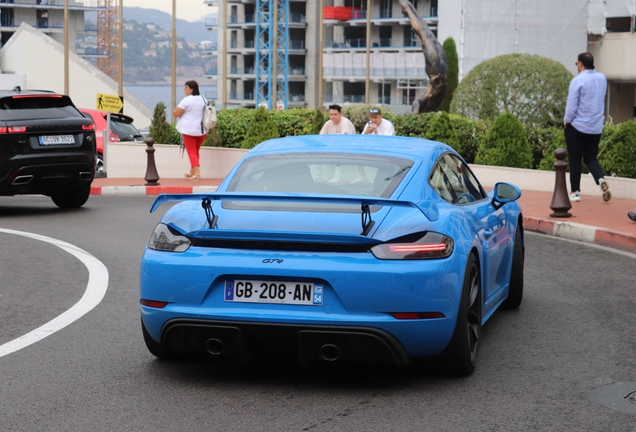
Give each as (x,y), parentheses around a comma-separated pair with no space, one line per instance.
(632,216)
(607,195)
(575,197)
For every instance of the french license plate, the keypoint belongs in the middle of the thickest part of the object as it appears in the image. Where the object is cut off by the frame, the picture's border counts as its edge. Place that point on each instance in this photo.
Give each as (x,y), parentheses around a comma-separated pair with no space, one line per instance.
(57,139)
(256,291)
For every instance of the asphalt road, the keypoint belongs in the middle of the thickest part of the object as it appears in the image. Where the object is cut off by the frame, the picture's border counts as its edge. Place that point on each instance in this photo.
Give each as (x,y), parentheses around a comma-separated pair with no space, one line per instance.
(573,333)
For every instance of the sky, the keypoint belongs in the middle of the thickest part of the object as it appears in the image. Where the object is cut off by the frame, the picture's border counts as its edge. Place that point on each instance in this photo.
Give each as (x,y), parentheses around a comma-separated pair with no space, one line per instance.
(189,10)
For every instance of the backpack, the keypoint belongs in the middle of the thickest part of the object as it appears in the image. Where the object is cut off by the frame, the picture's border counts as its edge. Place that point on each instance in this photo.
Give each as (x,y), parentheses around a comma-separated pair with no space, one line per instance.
(208,121)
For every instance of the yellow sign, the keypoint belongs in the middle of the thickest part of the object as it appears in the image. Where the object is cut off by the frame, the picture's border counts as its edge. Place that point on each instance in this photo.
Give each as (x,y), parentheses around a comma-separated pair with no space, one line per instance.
(112,103)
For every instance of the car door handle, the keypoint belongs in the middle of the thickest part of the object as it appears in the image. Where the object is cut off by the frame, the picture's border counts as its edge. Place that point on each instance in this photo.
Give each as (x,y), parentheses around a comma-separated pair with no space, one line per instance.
(487,233)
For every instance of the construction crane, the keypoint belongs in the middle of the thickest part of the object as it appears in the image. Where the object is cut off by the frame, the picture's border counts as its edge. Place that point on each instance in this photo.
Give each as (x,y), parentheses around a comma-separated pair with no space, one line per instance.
(107,40)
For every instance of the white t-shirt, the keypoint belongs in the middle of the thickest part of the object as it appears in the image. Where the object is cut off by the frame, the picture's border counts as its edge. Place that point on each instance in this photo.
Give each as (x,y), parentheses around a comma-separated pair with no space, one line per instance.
(385,128)
(344,126)
(190,121)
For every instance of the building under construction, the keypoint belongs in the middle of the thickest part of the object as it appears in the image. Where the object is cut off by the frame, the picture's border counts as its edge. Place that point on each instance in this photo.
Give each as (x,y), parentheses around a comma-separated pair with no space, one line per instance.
(310,53)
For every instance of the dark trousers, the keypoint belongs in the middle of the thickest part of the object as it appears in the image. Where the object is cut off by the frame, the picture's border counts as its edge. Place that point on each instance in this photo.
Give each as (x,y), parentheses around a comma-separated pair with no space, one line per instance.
(582,146)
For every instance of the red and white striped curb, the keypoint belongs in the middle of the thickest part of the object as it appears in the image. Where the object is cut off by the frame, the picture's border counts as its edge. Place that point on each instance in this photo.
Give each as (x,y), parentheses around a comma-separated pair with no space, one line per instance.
(148,190)
(580,232)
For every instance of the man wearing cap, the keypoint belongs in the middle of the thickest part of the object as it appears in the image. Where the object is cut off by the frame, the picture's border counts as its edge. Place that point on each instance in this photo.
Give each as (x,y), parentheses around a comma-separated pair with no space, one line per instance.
(583,123)
(377,125)
(337,124)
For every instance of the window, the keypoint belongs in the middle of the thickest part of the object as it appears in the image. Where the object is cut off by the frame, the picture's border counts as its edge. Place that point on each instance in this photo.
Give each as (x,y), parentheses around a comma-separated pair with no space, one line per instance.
(454,182)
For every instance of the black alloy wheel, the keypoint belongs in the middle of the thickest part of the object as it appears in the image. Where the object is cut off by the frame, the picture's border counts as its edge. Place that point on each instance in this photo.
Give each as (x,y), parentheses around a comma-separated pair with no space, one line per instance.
(515,290)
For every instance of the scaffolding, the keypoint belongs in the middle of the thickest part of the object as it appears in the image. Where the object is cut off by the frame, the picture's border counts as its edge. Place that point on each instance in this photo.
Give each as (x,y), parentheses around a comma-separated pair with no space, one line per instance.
(107,37)
(272,53)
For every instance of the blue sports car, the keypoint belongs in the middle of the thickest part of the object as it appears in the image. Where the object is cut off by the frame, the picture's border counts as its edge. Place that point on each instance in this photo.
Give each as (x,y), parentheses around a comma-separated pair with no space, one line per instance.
(335,248)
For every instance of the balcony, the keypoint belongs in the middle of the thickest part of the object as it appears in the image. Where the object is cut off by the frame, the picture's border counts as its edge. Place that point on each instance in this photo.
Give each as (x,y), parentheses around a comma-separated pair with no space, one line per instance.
(340,99)
(241,70)
(211,22)
(241,19)
(359,73)
(236,96)
(239,45)
(56,4)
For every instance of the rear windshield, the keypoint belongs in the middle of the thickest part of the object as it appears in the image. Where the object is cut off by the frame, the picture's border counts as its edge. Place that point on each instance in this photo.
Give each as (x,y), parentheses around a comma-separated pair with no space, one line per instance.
(37,107)
(320,173)
(124,130)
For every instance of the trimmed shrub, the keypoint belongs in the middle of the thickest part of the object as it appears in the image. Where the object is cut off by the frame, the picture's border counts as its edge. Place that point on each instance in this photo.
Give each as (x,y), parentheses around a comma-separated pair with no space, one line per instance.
(412,125)
(294,121)
(470,134)
(452,73)
(531,87)
(617,153)
(505,144)
(441,129)
(261,129)
(214,138)
(159,127)
(233,124)
(544,141)
(319,119)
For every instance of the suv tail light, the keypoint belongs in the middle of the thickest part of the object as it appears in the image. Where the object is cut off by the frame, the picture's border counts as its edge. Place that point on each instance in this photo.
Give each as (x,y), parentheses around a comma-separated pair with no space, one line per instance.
(19,129)
(114,137)
(430,245)
(89,127)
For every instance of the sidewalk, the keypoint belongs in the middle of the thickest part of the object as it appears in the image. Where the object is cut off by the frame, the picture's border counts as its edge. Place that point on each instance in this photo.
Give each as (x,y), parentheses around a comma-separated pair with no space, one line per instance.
(592,221)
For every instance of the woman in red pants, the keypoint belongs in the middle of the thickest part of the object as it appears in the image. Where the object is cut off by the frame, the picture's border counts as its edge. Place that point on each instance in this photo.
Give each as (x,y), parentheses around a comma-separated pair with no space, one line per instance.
(189,114)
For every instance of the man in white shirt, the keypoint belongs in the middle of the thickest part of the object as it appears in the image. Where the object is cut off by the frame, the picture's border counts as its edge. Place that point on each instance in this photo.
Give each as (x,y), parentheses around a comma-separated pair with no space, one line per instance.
(337,124)
(377,125)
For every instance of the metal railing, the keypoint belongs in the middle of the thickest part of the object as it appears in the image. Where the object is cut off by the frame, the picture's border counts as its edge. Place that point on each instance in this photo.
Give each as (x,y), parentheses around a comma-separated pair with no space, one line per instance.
(242,70)
(387,71)
(241,19)
(242,96)
(211,22)
(241,45)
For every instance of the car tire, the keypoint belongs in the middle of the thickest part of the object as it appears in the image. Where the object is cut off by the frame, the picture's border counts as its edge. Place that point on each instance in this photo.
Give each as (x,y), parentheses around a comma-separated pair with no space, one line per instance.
(461,353)
(515,290)
(153,346)
(72,198)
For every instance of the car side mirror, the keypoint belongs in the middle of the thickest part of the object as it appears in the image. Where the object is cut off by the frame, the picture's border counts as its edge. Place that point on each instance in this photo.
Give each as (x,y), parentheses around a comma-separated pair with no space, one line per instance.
(505,193)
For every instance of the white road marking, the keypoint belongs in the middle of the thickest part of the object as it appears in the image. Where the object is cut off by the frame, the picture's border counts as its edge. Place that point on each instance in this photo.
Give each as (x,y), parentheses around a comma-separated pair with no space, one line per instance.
(95,291)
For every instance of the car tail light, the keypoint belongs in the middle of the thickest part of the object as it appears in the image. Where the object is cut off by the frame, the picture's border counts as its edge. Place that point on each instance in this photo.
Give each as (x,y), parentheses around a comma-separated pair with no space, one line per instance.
(417,315)
(3,130)
(114,137)
(19,129)
(38,96)
(430,245)
(89,127)
(153,303)
(168,239)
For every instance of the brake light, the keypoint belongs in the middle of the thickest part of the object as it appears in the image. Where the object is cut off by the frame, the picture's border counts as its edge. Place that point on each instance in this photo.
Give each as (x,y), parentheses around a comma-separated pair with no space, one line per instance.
(38,96)
(430,245)
(89,127)
(114,137)
(417,315)
(19,129)
(3,130)
(153,303)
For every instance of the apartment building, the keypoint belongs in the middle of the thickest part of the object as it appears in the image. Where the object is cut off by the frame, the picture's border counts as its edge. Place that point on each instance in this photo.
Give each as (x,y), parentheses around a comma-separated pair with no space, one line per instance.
(323,47)
(48,17)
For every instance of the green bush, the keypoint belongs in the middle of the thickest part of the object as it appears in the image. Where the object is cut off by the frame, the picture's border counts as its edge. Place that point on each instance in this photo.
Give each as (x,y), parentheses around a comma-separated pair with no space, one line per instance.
(617,153)
(159,127)
(470,134)
(531,87)
(261,129)
(505,144)
(441,129)
(543,142)
(232,125)
(295,121)
(412,125)
(452,73)
(214,138)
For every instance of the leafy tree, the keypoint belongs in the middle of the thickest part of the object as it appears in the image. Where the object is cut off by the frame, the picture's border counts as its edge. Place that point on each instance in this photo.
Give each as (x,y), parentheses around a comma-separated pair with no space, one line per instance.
(617,154)
(261,129)
(440,129)
(452,73)
(531,87)
(505,144)
(159,127)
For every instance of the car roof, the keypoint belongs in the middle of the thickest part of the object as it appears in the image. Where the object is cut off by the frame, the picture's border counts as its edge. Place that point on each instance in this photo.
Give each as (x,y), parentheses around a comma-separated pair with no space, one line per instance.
(5,92)
(386,145)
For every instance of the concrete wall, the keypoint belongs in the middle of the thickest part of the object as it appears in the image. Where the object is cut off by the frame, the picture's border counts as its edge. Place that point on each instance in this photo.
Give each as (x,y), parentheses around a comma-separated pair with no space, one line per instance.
(615,56)
(130,160)
(45,71)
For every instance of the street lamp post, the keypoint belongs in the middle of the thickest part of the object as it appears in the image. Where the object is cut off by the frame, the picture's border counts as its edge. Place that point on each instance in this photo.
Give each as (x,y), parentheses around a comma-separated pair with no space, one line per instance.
(174,55)
(120,59)
(66,89)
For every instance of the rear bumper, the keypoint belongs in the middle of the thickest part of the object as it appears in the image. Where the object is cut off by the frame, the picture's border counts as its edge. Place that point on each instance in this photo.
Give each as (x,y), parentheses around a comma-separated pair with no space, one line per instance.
(47,175)
(243,341)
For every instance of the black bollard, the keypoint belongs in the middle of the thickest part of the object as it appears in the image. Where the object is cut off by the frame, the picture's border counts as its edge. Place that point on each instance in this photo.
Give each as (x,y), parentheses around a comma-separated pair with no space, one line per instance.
(152,177)
(560,200)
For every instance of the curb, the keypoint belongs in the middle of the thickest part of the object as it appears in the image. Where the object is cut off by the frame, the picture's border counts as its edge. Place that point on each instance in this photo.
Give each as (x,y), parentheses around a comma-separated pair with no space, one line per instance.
(148,190)
(584,233)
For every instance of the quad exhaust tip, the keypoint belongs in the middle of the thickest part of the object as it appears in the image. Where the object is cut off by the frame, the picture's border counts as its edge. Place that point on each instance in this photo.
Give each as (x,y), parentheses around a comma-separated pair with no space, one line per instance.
(329,352)
(215,346)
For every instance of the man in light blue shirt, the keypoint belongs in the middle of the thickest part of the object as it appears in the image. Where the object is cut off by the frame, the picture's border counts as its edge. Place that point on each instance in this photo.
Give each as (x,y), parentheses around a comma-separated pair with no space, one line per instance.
(583,124)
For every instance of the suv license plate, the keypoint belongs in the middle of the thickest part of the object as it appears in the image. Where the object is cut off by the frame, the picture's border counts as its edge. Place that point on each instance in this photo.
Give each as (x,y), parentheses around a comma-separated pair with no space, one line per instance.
(256,291)
(57,139)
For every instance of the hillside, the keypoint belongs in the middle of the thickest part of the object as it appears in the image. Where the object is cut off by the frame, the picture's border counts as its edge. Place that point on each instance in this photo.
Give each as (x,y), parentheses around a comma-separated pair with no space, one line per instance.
(190,31)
